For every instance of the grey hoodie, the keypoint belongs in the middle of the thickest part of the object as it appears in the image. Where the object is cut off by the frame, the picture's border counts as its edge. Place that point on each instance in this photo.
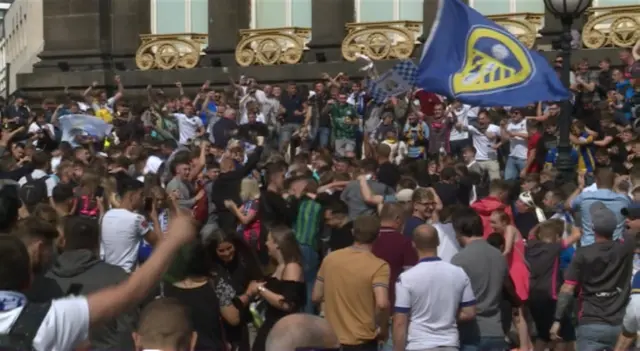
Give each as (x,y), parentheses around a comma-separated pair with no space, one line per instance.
(90,274)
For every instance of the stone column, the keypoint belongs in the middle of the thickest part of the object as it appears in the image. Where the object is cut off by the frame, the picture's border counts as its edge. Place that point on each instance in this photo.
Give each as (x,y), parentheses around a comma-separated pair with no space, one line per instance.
(226,18)
(130,19)
(73,28)
(429,10)
(328,20)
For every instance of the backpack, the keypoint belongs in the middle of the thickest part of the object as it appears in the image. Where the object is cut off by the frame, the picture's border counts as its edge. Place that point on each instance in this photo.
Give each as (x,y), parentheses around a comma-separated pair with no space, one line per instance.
(20,337)
(34,191)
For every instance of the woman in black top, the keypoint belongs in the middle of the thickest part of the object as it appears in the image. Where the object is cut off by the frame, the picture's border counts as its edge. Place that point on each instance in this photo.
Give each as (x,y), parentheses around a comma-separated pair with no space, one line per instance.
(284,291)
(208,298)
(234,260)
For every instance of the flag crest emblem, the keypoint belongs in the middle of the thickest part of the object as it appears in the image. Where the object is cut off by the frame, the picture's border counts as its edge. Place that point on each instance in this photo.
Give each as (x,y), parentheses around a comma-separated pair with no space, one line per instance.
(494,61)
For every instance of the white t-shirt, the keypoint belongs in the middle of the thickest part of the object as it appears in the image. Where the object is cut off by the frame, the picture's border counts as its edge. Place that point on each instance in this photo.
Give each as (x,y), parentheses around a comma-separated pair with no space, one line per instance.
(108,105)
(187,126)
(449,245)
(65,325)
(463,115)
(518,145)
(484,151)
(122,232)
(55,162)
(152,165)
(431,292)
(51,182)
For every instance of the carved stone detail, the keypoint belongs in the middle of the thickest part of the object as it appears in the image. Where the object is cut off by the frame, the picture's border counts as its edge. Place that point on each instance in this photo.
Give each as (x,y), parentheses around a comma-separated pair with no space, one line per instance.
(170,51)
(272,46)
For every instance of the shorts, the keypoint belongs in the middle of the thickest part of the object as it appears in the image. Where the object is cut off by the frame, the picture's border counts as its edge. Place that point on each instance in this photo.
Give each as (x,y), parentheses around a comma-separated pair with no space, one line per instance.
(543,314)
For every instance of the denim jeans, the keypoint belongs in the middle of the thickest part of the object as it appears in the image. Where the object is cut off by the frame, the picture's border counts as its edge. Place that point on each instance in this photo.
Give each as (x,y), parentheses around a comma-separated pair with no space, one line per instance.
(310,268)
(323,136)
(286,131)
(487,343)
(514,167)
(595,337)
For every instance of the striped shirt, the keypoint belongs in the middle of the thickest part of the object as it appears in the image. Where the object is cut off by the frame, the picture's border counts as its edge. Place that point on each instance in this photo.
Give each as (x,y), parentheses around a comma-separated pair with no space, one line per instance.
(586,161)
(307,225)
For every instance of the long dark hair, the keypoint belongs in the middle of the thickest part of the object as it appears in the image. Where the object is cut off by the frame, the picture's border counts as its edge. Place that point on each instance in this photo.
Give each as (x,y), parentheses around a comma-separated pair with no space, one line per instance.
(199,263)
(244,255)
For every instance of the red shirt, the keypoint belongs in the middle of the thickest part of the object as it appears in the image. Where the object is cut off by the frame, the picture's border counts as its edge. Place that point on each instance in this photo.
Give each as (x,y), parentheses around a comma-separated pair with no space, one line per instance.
(532,145)
(397,250)
(427,102)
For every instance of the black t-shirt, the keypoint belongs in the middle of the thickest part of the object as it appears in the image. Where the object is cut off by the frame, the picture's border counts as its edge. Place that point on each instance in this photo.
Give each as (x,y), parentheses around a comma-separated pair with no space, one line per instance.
(250,131)
(388,174)
(603,272)
(341,237)
(291,104)
(448,193)
(545,278)
(223,131)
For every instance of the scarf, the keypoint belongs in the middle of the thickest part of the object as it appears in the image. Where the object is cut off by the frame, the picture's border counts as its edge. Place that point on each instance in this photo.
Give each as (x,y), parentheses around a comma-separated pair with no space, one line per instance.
(10,300)
(415,133)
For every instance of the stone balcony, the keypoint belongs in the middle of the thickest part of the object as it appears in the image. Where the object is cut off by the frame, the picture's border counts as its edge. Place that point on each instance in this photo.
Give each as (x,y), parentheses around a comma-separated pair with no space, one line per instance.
(613,26)
(381,40)
(272,46)
(170,51)
(524,26)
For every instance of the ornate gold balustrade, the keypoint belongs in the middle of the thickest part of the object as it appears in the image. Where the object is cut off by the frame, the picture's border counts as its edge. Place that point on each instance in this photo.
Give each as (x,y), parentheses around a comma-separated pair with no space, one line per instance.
(612,26)
(524,26)
(381,40)
(272,46)
(170,51)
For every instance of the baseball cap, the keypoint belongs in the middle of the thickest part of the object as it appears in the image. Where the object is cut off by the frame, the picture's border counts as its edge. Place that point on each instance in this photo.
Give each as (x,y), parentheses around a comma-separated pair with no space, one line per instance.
(603,219)
(632,211)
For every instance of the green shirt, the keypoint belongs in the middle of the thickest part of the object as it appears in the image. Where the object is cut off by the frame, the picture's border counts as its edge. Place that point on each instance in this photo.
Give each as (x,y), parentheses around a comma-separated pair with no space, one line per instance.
(341,116)
(307,225)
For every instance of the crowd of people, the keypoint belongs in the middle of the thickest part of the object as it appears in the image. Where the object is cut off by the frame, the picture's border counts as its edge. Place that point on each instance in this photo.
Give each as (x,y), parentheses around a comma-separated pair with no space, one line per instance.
(259,217)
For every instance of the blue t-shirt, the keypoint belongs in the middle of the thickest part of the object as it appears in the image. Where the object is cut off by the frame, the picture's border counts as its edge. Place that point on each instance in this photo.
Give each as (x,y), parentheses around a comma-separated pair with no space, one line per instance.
(411,224)
(212,108)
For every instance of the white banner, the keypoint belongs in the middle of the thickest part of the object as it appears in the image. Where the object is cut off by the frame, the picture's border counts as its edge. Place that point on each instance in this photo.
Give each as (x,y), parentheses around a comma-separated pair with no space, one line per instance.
(83,125)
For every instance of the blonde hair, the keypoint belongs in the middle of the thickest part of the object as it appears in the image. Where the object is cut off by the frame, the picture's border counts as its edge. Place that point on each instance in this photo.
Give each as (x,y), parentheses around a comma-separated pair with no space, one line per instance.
(249,189)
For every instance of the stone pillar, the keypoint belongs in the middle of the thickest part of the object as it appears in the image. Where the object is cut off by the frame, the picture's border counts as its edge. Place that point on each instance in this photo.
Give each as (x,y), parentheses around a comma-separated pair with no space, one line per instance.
(328,20)
(226,18)
(74,28)
(130,19)
(429,10)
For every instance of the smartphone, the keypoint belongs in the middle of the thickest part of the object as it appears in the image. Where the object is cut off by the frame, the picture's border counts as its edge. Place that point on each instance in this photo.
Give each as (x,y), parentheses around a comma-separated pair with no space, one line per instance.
(99,191)
(148,204)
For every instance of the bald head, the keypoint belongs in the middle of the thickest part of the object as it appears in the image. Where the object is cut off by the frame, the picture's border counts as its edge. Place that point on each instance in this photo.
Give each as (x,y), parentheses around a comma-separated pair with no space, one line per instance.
(425,237)
(286,334)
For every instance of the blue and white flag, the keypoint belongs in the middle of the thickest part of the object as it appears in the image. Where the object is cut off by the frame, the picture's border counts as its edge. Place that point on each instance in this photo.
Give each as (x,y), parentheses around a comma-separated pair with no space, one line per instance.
(73,126)
(472,59)
(400,79)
